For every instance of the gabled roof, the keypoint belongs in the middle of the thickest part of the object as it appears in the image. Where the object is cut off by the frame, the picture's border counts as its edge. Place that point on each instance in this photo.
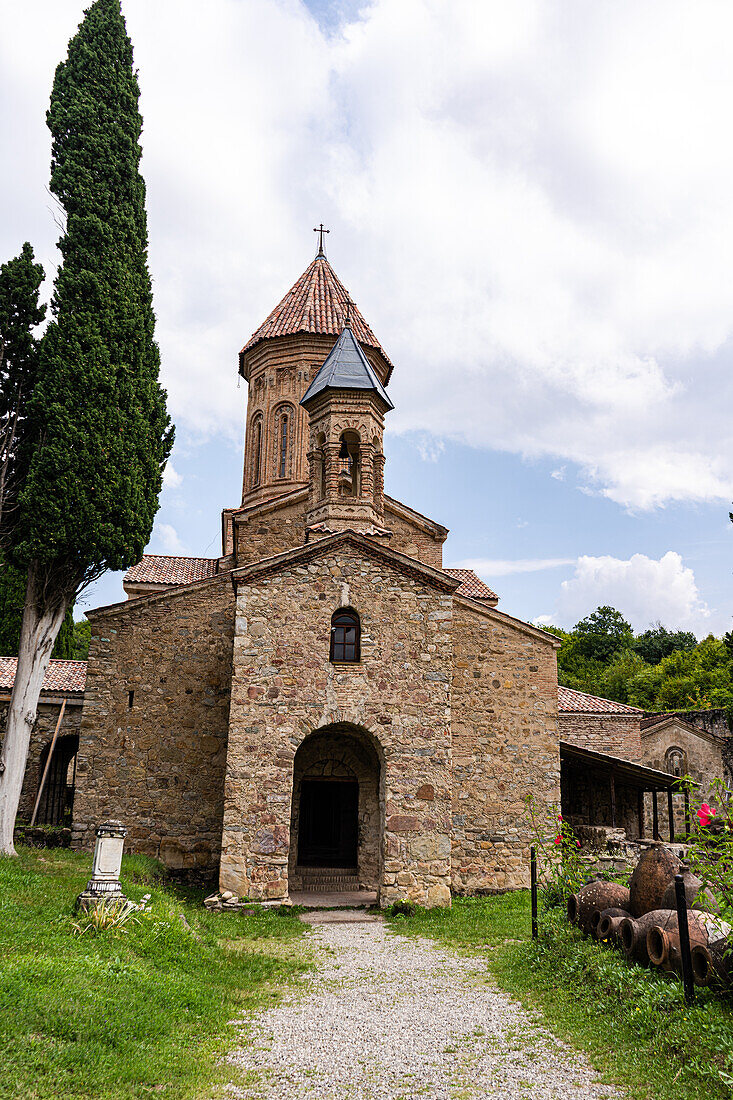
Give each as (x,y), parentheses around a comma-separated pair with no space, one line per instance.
(253,571)
(60,675)
(579,702)
(315,303)
(163,569)
(472,585)
(346,368)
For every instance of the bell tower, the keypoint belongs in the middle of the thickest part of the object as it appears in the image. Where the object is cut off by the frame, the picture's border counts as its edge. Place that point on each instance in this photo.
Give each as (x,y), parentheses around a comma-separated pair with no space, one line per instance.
(346,404)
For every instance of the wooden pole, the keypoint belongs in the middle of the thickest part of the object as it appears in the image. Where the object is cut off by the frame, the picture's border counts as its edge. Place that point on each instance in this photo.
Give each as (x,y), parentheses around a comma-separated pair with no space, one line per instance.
(684,934)
(42,784)
(533,882)
(613,800)
(640,808)
(670,810)
(687,811)
(655,816)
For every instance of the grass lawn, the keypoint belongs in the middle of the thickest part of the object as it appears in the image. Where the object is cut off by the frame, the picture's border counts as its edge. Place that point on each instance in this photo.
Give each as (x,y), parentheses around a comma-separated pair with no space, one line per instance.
(120,1015)
(631,1021)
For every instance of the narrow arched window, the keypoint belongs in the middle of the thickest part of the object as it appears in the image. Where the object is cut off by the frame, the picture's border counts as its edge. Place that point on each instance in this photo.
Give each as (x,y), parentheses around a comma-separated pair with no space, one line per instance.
(284,427)
(675,761)
(256,451)
(345,635)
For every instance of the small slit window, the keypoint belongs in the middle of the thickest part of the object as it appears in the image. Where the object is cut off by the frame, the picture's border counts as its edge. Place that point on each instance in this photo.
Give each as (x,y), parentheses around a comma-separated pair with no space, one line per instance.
(283,446)
(345,636)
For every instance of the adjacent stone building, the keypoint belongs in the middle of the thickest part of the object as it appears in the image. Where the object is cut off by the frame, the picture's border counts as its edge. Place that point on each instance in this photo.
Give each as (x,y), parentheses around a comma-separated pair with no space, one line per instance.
(324,698)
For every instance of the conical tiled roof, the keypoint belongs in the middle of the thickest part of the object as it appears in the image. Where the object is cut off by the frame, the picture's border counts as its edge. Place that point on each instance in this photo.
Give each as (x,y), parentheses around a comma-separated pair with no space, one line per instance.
(346,368)
(315,303)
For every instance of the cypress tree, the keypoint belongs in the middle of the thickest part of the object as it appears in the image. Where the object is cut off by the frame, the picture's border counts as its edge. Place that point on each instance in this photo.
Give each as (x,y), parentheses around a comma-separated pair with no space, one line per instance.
(20,315)
(98,433)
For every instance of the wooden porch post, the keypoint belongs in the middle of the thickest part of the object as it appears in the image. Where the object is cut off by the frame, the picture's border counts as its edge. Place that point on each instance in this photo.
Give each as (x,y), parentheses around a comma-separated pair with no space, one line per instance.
(613,800)
(670,809)
(655,816)
(687,811)
(641,813)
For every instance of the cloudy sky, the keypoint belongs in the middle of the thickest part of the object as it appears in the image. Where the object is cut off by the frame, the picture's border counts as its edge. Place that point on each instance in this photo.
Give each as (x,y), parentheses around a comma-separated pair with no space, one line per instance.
(532,204)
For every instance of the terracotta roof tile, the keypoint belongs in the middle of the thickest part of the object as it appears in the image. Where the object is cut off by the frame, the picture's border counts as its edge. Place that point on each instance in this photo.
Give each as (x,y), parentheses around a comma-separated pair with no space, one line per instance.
(60,675)
(579,702)
(162,569)
(471,585)
(315,303)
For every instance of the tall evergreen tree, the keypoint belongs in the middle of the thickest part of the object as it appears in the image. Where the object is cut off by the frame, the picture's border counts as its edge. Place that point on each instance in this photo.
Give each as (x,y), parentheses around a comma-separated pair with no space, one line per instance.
(98,434)
(20,315)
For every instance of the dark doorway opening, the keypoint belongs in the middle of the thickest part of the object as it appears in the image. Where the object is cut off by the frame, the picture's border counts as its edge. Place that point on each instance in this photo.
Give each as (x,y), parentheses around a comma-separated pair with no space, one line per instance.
(57,798)
(328,829)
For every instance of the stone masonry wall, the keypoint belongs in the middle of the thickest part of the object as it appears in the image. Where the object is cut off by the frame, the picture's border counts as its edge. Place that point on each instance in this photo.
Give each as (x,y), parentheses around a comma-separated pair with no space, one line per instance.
(269,530)
(412,540)
(398,696)
(505,746)
(43,729)
(703,755)
(156,760)
(614,734)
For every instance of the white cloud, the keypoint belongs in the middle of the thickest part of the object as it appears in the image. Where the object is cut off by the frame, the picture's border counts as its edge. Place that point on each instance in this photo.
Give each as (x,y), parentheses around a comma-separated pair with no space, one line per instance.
(559,473)
(643,589)
(171,478)
(532,204)
(493,567)
(166,541)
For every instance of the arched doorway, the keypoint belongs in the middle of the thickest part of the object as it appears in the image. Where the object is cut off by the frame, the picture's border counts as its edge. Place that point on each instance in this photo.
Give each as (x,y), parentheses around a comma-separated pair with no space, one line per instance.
(57,797)
(337,807)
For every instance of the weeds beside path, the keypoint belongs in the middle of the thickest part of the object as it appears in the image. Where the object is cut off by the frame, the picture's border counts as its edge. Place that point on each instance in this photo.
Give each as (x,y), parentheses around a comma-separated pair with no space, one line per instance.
(631,1021)
(131,1014)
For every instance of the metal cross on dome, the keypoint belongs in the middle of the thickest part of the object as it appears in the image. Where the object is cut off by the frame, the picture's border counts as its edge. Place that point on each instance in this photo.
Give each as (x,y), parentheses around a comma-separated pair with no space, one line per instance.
(320,231)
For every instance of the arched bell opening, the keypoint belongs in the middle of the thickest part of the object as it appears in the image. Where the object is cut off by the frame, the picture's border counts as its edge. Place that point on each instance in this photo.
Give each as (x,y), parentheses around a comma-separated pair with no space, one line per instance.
(348,465)
(337,816)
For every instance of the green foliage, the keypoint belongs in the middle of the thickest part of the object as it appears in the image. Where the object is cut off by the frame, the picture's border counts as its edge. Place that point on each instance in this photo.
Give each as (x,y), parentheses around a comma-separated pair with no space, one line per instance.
(658,642)
(710,851)
(657,670)
(124,1016)
(602,634)
(98,433)
(20,314)
(12,599)
(80,641)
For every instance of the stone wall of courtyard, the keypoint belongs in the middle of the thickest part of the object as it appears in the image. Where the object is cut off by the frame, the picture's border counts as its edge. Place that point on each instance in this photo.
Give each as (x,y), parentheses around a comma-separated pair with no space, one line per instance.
(397,696)
(505,745)
(154,727)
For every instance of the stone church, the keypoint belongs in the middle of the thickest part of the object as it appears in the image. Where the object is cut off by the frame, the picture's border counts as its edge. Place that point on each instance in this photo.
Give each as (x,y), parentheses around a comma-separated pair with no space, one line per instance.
(324,701)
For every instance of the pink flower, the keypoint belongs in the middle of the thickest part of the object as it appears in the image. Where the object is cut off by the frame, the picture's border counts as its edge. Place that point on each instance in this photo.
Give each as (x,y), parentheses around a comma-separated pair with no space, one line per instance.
(558,840)
(559,817)
(577,843)
(705,814)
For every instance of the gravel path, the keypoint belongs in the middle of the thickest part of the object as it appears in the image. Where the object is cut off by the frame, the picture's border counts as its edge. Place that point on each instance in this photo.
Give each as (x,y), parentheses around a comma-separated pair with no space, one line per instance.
(390,1018)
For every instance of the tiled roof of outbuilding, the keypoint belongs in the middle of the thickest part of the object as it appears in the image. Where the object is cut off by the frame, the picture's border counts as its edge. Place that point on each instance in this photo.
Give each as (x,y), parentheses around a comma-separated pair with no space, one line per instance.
(471,585)
(579,702)
(60,675)
(315,303)
(162,569)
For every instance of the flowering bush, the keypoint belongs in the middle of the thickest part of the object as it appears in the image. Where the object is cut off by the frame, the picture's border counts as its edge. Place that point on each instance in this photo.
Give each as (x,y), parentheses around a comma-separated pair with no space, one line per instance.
(562,868)
(710,854)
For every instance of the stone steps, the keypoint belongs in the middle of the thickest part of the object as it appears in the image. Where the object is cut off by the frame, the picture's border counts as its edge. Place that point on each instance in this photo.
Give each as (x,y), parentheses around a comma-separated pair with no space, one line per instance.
(327,879)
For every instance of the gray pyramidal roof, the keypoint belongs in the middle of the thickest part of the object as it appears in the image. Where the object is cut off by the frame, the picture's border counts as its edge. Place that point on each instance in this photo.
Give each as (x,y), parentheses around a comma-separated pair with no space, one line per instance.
(346,368)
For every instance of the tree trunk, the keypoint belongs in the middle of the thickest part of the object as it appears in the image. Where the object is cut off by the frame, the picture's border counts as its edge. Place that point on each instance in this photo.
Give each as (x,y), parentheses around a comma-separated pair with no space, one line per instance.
(38,633)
